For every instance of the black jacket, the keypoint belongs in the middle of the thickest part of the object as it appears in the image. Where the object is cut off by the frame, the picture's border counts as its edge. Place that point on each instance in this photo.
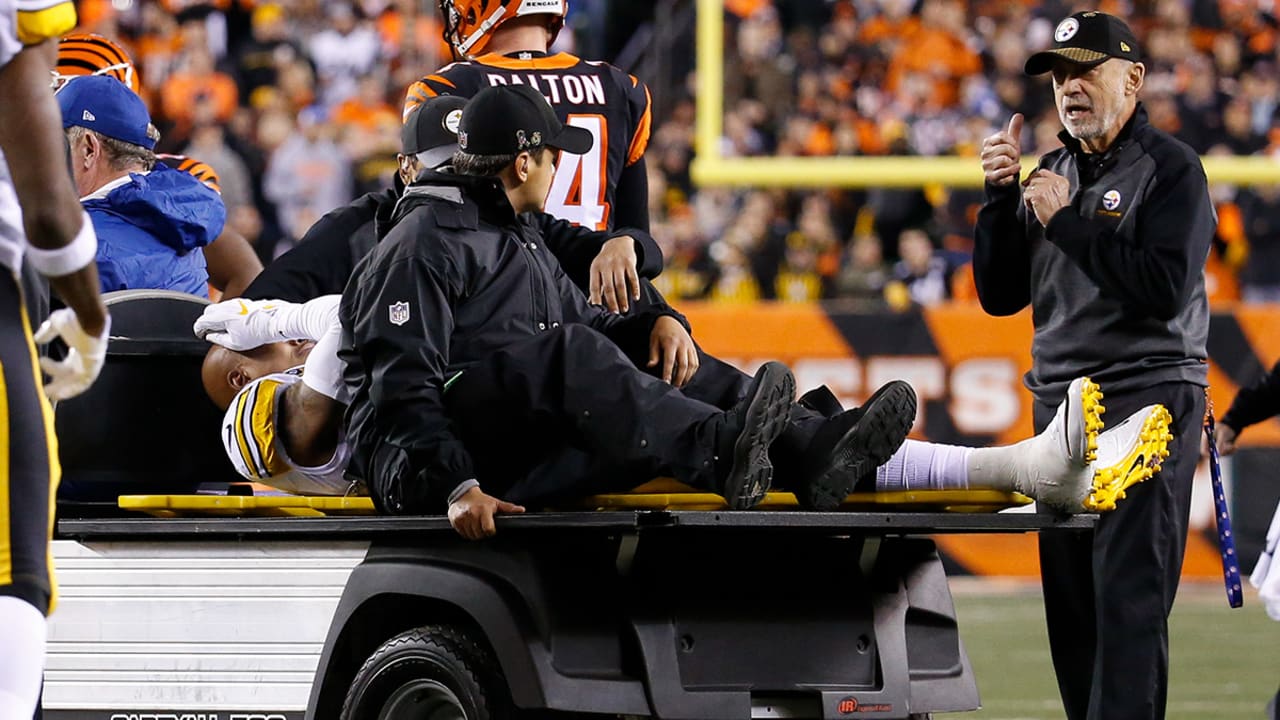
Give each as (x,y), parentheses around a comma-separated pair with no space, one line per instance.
(455,276)
(1116,281)
(1255,403)
(321,263)
(323,260)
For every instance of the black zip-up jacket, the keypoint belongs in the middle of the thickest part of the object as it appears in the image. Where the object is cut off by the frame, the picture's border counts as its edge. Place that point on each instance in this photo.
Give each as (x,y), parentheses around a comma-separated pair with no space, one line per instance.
(1255,403)
(455,276)
(322,262)
(1116,281)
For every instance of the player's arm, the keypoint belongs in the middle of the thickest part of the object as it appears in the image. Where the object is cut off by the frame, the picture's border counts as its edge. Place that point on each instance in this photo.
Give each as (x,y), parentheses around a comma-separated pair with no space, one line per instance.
(62,243)
(576,247)
(240,324)
(631,198)
(32,140)
(232,263)
(310,421)
(1255,403)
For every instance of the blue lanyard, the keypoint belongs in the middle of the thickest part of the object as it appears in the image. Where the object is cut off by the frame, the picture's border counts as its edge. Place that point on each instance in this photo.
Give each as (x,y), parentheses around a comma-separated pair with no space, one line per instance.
(1226,543)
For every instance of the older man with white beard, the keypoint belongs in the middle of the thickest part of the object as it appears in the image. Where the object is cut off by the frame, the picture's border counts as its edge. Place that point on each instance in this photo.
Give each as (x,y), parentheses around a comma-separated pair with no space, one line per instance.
(1106,240)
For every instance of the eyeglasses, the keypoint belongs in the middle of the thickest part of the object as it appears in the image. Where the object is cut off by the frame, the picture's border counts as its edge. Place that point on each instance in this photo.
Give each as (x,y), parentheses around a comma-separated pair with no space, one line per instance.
(60,81)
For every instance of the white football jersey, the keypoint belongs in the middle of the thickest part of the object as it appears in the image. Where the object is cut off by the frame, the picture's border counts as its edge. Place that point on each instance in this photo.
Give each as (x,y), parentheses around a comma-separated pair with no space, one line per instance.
(251,441)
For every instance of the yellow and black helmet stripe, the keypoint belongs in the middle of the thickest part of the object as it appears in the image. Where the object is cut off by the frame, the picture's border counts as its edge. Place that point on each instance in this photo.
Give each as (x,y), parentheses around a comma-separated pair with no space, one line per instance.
(255,431)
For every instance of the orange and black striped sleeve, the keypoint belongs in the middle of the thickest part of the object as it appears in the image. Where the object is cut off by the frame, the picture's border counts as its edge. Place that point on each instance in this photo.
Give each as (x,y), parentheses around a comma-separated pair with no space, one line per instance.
(425,89)
(641,109)
(197,169)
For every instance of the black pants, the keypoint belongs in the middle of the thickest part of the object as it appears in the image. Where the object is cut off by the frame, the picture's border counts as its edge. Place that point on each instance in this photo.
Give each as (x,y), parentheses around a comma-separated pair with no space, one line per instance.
(566,413)
(1108,592)
(28,458)
(721,385)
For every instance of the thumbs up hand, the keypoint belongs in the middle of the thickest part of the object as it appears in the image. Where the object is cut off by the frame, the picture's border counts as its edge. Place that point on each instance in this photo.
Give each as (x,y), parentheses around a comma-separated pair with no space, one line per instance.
(1002,154)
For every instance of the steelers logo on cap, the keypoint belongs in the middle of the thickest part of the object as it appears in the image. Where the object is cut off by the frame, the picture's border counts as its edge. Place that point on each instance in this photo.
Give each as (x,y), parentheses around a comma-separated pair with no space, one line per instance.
(1066,30)
(452,120)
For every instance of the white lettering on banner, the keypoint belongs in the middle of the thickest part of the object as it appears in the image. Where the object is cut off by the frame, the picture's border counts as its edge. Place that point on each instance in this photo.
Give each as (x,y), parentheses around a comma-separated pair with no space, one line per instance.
(925,373)
(842,375)
(984,395)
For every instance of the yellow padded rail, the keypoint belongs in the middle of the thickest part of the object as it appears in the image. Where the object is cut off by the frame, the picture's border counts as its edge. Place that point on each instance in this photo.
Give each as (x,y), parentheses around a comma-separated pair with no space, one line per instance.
(916,501)
(246,505)
(656,495)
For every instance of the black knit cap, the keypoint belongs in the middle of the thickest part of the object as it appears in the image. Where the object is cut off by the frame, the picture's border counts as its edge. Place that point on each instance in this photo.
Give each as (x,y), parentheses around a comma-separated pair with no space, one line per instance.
(1086,38)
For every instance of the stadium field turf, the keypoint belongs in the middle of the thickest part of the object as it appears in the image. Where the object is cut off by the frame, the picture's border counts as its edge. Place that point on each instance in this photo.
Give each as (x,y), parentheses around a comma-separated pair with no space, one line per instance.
(1225,664)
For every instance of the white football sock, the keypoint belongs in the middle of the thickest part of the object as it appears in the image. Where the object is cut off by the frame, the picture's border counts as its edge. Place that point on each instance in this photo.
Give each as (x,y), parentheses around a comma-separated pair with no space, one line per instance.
(925,466)
(22,643)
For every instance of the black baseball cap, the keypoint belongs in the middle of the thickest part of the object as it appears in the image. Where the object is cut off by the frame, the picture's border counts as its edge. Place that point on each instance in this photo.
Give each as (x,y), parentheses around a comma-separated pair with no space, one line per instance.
(1086,38)
(508,119)
(431,130)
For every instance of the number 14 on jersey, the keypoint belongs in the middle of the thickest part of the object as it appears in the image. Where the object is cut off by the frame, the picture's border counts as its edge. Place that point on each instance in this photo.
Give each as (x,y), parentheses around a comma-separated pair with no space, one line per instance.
(578,189)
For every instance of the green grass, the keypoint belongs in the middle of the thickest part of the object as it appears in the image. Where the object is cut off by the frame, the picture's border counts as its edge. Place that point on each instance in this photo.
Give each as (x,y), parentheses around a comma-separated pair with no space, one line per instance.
(1225,663)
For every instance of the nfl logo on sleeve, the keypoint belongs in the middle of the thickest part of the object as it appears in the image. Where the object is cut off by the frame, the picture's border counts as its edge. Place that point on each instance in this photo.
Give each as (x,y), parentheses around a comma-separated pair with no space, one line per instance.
(399,313)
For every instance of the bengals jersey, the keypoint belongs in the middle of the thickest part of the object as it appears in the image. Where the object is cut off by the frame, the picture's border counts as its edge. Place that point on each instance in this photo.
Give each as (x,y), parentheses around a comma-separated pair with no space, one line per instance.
(199,170)
(251,441)
(603,189)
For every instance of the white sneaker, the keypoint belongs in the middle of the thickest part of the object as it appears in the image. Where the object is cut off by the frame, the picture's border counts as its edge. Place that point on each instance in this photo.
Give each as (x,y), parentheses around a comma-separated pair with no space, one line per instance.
(1129,453)
(1062,463)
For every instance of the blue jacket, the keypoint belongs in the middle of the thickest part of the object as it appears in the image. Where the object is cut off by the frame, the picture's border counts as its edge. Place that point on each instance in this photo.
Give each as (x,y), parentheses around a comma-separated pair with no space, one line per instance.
(150,231)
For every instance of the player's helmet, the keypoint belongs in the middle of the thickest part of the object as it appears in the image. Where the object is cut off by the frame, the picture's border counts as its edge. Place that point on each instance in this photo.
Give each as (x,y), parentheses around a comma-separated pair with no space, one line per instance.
(468,23)
(91,54)
(195,168)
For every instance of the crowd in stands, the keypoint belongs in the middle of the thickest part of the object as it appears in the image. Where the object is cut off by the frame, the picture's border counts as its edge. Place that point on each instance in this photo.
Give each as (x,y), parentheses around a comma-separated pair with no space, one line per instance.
(934,77)
(296,104)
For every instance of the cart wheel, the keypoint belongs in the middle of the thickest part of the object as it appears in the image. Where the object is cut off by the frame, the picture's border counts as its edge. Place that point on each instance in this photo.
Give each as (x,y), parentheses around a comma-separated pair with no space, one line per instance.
(434,672)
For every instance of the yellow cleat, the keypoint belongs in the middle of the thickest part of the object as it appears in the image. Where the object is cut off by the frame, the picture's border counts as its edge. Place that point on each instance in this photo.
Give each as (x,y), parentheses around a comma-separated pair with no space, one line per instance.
(1056,466)
(1128,454)
(1058,469)
(1091,409)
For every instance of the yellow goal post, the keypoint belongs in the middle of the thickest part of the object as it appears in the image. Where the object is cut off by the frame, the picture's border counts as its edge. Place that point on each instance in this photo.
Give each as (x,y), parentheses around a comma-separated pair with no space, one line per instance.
(710,168)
